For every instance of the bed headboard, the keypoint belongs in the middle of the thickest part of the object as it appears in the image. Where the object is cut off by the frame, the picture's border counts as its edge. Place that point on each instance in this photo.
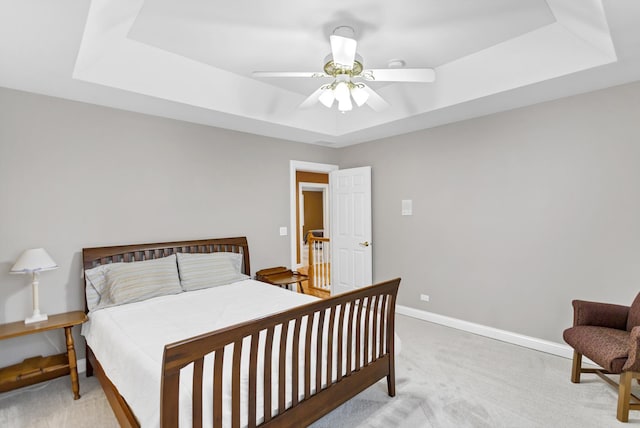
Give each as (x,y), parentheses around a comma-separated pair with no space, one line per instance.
(92,257)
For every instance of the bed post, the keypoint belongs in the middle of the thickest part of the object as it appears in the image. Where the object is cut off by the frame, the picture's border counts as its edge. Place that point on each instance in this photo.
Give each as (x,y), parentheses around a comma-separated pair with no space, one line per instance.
(391,377)
(169,398)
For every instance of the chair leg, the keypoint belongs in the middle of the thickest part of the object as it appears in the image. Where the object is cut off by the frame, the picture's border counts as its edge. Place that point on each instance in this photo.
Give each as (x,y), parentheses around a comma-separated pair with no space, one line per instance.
(576,368)
(624,396)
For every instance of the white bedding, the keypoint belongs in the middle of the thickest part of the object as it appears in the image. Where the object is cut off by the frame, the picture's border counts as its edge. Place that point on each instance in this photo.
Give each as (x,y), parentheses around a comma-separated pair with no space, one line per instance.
(130,346)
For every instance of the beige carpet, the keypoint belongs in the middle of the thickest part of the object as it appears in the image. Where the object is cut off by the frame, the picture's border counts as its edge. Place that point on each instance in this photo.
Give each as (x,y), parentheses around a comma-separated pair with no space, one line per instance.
(445,378)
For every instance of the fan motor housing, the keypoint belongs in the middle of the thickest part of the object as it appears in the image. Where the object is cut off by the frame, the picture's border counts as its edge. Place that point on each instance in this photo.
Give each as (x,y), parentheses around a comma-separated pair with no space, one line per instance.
(333,69)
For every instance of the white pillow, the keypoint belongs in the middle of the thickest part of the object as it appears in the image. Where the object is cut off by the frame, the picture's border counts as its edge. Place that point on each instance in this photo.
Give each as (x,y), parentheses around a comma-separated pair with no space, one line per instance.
(136,281)
(202,270)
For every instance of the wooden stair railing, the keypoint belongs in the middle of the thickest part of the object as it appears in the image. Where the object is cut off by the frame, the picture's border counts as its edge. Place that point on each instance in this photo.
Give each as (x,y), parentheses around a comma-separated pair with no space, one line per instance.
(319,263)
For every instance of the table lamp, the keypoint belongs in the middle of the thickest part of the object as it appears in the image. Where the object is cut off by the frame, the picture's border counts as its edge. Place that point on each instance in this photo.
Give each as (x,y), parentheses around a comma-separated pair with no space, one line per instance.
(34,261)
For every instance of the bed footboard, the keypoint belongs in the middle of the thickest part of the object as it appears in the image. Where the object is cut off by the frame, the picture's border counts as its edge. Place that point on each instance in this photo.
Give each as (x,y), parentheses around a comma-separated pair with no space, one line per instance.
(313,357)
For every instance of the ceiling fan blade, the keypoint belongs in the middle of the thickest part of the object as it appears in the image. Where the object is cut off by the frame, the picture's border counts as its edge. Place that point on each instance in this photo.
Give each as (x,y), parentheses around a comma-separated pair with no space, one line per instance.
(343,50)
(312,99)
(288,74)
(424,75)
(375,101)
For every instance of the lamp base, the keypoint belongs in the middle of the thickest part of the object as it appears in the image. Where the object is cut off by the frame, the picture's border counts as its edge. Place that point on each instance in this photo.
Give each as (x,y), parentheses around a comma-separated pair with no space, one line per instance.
(36,318)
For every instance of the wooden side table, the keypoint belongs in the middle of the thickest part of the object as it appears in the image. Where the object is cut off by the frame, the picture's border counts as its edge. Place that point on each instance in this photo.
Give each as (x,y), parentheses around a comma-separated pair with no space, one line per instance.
(39,369)
(281,276)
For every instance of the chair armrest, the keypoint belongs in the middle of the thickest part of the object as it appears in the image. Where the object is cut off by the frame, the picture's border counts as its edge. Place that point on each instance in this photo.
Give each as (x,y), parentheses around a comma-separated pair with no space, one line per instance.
(600,314)
(633,362)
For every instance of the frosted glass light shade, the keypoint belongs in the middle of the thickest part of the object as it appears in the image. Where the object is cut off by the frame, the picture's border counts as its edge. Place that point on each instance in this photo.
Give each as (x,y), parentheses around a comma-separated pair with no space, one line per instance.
(343,95)
(34,260)
(360,96)
(327,97)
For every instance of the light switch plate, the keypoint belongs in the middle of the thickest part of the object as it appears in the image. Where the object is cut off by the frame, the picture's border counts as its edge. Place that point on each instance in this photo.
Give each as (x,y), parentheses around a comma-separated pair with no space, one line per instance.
(407,207)
(283,231)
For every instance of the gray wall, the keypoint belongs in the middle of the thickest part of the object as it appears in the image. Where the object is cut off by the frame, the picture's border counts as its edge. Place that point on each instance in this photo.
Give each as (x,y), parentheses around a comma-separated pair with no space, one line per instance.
(74,175)
(515,214)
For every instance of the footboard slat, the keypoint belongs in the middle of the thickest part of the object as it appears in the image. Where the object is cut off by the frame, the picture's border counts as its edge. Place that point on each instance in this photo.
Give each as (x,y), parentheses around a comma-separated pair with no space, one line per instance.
(268,352)
(350,344)
(330,339)
(340,342)
(375,346)
(307,356)
(295,362)
(383,331)
(253,374)
(235,384)
(365,330)
(358,328)
(282,367)
(217,387)
(197,393)
(366,347)
(319,349)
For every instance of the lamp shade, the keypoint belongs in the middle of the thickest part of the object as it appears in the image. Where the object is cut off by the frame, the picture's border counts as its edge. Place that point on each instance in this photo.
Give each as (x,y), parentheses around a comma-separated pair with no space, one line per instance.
(34,260)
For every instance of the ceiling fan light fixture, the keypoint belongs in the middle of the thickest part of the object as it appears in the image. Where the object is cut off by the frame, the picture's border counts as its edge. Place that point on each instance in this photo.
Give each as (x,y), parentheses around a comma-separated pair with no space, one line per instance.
(346,68)
(345,105)
(342,91)
(343,95)
(360,96)
(327,97)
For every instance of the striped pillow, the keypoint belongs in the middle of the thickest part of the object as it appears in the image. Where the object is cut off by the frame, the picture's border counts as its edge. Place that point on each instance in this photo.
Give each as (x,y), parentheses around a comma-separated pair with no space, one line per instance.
(204,270)
(132,282)
(95,285)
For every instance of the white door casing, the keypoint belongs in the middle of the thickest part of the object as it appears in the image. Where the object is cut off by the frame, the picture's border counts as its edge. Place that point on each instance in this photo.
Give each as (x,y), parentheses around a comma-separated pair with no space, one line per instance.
(351,245)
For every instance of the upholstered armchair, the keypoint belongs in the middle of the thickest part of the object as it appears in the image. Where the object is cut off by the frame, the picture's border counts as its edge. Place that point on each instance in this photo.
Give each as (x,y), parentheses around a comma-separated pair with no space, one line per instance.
(608,335)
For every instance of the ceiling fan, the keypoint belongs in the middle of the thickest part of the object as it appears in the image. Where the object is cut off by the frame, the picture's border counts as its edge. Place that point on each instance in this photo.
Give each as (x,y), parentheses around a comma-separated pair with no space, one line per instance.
(346,69)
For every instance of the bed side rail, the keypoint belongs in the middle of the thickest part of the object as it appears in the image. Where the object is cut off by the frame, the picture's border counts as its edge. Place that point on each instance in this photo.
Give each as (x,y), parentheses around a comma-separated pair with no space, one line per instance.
(351,348)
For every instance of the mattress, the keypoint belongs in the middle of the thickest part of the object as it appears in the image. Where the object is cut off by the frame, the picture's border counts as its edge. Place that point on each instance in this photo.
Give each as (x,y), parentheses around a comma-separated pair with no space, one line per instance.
(129,340)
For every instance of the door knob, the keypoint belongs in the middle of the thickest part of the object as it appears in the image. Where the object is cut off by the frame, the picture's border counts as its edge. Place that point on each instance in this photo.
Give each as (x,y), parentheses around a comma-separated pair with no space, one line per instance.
(365,243)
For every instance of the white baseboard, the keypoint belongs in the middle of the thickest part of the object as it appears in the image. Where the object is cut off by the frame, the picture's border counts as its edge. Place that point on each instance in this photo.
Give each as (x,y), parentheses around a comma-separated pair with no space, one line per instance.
(549,347)
(81,365)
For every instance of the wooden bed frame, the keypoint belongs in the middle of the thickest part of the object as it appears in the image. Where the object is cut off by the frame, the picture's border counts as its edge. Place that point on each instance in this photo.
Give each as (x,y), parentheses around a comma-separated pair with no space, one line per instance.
(359,341)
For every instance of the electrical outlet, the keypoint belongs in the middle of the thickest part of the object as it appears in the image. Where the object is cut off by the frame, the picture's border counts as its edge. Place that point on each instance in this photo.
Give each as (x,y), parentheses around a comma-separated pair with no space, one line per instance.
(425,297)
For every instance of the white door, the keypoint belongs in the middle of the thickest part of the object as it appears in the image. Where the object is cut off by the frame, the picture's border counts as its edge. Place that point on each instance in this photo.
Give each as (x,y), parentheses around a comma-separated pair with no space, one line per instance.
(350,229)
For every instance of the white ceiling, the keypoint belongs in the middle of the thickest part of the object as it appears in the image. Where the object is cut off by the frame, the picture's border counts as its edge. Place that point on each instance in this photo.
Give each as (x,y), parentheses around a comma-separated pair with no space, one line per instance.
(192,60)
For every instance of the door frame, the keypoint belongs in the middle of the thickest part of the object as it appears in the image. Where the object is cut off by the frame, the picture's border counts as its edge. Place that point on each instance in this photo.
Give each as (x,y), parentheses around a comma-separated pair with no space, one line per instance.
(294,166)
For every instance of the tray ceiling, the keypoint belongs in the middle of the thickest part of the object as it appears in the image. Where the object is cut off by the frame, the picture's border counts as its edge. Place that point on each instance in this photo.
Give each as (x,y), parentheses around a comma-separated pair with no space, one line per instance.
(192,60)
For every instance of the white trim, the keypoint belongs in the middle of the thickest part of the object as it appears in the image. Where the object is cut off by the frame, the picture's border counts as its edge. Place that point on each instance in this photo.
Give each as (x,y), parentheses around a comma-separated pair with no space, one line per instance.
(81,365)
(549,347)
(294,166)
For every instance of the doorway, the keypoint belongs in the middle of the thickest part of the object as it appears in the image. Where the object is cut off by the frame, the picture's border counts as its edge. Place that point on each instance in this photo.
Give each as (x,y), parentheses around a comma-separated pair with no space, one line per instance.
(306,176)
(347,223)
(313,213)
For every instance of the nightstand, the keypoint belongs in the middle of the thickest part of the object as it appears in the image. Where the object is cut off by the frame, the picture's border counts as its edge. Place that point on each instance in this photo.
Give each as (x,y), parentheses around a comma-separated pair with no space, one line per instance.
(281,276)
(39,369)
